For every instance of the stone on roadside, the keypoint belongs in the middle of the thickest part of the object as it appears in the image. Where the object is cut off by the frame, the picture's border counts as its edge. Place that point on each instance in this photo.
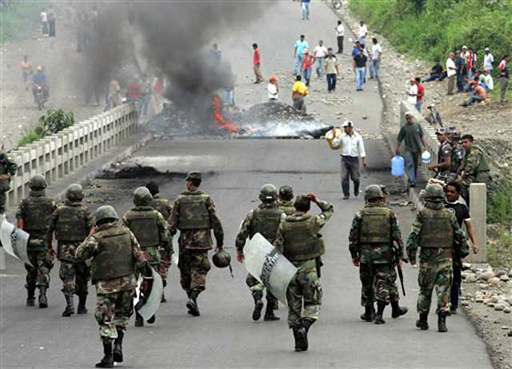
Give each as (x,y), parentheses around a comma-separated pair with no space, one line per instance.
(495,299)
(486,275)
(507,310)
(499,273)
(504,278)
(494,281)
(499,307)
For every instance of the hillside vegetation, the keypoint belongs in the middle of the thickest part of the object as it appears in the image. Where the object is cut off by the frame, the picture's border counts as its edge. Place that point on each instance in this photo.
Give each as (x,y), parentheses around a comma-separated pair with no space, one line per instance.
(19,19)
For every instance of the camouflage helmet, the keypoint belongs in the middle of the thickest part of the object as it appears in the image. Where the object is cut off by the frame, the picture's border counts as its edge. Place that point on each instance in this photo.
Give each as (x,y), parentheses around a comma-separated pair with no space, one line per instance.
(268,193)
(142,197)
(434,193)
(105,212)
(75,192)
(286,192)
(37,182)
(373,192)
(221,259)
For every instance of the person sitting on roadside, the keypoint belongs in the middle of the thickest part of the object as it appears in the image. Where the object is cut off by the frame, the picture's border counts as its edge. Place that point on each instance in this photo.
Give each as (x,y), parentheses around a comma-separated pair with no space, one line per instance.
(486,78)
(436,72)
(478,95)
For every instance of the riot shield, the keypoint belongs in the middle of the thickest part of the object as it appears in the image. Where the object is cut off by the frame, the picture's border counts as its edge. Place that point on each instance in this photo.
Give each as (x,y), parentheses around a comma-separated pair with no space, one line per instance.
(176,248)
(268,266)
(14,240)
(151,302)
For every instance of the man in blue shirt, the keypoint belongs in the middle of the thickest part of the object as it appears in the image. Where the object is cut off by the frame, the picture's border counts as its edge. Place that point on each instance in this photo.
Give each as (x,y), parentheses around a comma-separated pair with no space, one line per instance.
(39,80)
(305,9)
(300,45)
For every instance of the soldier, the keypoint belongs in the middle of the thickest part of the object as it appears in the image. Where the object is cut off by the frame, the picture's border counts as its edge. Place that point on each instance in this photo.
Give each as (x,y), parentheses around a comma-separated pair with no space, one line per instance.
(373,233)
(265,220)
(299,240)
(71,223)
(7,170)
(165,208)
(385,192)
(151,231)
(195,216)
(444,156)
(34,214)
(457,155)
(116,258)
(474,168)
(285,201)
(436,231)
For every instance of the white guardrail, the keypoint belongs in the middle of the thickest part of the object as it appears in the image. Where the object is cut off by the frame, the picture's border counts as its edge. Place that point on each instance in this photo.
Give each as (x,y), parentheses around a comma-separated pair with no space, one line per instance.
(59,155)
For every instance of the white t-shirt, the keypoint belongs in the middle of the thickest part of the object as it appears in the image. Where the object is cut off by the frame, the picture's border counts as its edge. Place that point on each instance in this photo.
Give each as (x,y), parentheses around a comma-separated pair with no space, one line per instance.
(272,91)
(340,30)
(44,17)
(488,60)
(489,82)
(320,51)
(363,30)
(376,50)
(412,90)
(450,64)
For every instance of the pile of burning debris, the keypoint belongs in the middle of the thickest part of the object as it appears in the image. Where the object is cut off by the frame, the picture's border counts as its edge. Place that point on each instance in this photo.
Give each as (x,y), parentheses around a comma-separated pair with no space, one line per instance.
(260,121)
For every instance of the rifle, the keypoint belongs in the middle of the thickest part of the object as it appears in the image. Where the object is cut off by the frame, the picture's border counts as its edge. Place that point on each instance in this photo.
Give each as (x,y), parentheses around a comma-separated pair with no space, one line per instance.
(399,268)
(319,265)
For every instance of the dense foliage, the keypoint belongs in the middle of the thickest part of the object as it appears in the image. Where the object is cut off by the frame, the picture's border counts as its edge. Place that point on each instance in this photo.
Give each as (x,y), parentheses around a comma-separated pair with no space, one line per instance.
(53,122)
(19,19)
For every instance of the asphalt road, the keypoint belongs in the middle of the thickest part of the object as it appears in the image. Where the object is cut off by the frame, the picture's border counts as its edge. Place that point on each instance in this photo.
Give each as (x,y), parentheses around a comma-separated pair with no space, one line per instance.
(225,335)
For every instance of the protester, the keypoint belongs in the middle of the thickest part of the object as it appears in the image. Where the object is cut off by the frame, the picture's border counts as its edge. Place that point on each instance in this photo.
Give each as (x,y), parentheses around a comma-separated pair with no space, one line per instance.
(134,95)
(460,64)
(320,52)
(412,94)
(503,69)
(478,95)
(256,61)
(352,150)
(158,91)
(299,92)
(44,22)
(451,71)
(305,9)
(360,63)
(434,118)
(412,135)
(273,89)
(216,53)
(340,34)
(488,59)
(51,21)
(363,31)
(376,58)
(331,70)
(355,50)
(307,66)
(114,94)
(471,63)
(300,45)
(436,72)
(420,95)
(487,80)
(26,70)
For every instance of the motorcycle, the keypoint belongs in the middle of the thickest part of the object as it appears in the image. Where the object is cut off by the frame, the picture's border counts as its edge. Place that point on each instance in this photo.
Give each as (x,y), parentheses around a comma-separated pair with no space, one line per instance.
(336,4)
(40,96)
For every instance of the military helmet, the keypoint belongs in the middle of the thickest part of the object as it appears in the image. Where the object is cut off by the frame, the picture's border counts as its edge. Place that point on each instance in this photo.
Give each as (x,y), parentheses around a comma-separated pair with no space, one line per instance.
(286,192)
(221,259)
(268,193)
(373,192)
(142,197)
(75,192)
(434,193)
(105,212)
(37,182)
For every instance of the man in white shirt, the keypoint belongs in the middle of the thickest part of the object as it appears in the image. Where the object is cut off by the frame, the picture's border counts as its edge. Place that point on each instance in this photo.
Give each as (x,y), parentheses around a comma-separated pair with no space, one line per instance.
(488,59)
(340,34)
(320,52)
(486,78)
(451,71)
(352,149)
(413,92)
(376,57)
(363,31)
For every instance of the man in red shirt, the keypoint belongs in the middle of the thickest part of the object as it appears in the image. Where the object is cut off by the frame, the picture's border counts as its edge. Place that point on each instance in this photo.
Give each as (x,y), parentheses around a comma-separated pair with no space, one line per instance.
(420,95)
(257,64)
(307,65)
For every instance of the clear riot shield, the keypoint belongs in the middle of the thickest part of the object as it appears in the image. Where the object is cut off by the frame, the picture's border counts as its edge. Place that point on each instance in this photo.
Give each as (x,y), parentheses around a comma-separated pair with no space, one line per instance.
(14,240)
(268,266)
(152,303)
(176,248)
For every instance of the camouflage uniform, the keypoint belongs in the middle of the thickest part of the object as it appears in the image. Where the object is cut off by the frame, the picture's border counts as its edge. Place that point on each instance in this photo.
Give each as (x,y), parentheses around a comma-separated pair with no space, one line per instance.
(7,167)
(458,155)
(286,206)
(446,150)
(475,169)
(165,208)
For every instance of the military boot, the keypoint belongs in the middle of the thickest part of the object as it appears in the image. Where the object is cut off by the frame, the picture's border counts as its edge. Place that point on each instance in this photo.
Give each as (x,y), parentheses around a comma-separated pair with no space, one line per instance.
(108,359)
(269,312)
(152,319)
(163,299)
(139,322)
(43,300)
(70,306)
(193,308)
(380,313)
(31,292)
(81,304)
(302,334)
(369,313)
(258,305)
(422,322)
(118,346)
(297,338)
(397,310)
(441,322)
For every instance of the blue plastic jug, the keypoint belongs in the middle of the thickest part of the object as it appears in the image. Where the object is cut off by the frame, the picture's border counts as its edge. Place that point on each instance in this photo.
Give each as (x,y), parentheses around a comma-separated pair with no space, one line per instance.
(397,166)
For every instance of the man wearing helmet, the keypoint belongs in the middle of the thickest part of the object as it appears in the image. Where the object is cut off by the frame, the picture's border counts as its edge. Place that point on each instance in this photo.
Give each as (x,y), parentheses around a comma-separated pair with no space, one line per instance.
(195,216)
(71,223)
(436,231)
(265,220)
(372,236)
(7,170)
(34,214)
(285,200)
(151,231)
(39,80)
(116,260)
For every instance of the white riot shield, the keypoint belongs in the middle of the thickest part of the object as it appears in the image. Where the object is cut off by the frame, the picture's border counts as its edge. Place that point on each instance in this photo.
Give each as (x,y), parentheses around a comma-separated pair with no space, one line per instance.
(268,266)
(153,300)
(14,240)
(176,248)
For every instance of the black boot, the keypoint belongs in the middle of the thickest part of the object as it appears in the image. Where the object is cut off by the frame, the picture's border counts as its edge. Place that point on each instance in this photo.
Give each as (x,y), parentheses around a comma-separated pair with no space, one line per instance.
(118,346)
(163,299)
(380,313)
(422,322)
(193,308)
(43,300)
(369,313)
(441,322)
(258,305)
(152,319)
(70,306)
(302,334)
(108,359)
(31,292)
(297,338)
(269,312)
(397,310)
(139,322)
(81,304)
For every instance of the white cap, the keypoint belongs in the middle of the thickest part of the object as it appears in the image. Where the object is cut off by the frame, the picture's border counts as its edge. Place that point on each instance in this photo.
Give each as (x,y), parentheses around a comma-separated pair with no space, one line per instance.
(464,47)
(348,123)
(487,49)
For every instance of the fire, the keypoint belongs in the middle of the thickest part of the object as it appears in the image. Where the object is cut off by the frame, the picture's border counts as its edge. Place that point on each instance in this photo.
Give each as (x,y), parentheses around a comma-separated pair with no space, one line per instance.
(222,123)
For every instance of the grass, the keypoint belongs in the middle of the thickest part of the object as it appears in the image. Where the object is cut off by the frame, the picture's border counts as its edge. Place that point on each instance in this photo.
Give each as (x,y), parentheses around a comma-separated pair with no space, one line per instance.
(18,21)
(499,254)
(53,122)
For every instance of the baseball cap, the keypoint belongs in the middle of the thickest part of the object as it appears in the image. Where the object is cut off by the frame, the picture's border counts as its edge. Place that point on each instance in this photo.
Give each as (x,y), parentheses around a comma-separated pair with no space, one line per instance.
(440,131)
(464,47)
(487,49)
(409,114)
(348,123)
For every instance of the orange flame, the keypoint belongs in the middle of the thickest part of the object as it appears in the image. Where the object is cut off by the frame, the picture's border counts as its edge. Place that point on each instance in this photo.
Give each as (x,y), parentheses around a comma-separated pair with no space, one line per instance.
(222,123)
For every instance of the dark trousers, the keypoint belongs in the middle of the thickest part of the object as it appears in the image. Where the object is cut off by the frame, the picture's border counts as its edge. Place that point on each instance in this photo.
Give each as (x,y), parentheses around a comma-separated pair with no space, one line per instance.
(331,82)
(349,170)
(455,290)
(340,44)
(460,82)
